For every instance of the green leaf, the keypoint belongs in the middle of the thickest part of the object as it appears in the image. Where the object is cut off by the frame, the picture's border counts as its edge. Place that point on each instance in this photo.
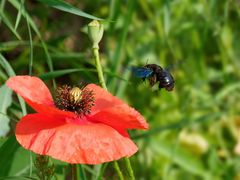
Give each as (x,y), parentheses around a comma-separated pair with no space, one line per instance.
(63,6)
(10,45)
(226,90)
(3,140)
(181,157)
(63,55)
(7,151)
(4,63)
(57,73)
(6,100)
(17,178)
(14,161)
(19,15)
(21,163)
(20,8)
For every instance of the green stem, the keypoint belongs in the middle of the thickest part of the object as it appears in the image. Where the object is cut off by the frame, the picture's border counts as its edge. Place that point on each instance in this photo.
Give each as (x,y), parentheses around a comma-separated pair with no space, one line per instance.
(31,164)
(129,168)
(103,84)
(99,68)
(103,167)
(116,167)
(74,171)
(80,172)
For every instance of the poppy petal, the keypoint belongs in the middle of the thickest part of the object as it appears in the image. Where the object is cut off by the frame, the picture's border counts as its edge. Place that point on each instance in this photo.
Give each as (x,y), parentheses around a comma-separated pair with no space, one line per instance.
(35,93)
(112,111)
(85,143)
(41,108)
(31,88)
(120,117)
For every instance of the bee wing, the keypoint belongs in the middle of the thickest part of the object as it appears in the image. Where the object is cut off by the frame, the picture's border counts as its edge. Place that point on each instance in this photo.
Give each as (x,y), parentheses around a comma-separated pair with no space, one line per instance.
(141,72)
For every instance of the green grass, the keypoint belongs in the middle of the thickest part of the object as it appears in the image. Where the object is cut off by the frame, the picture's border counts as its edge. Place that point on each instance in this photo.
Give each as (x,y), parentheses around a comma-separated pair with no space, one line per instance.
(199,39)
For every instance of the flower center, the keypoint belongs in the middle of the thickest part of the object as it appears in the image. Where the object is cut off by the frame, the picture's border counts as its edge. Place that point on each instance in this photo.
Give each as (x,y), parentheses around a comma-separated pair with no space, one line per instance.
(80,101)
(75,95)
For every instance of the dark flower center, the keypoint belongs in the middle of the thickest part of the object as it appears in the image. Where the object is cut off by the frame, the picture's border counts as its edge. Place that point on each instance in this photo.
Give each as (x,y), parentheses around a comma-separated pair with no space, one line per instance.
(80,101)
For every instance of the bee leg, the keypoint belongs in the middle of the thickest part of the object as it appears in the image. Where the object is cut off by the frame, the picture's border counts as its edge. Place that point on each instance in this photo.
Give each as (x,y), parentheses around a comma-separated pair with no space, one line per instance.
(160,86)
(152,80)
(143,79)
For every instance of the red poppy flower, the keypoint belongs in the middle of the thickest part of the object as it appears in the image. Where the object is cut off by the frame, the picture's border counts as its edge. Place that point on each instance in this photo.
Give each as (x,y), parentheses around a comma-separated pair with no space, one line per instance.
(95,137)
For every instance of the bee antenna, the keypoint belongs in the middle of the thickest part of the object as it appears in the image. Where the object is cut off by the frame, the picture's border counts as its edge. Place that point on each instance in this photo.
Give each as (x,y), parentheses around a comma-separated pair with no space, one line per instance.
(146,62)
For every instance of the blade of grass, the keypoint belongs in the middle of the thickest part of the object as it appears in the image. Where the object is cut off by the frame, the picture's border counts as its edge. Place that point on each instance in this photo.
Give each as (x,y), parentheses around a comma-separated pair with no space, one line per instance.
(2,5)
(118,170)
(2,75)
(31,47)
(101,172)
(230,89)
(67,55)
(17,5)
(6,66)
(17,177)
(10,45)
(6,101)
(80,172)
(8,23)
(57,73)
(113,14)
(166,15)
(121,40)
(66,7)
(10,72)
(178,125)
(7,151)
(19,15)
(183,158)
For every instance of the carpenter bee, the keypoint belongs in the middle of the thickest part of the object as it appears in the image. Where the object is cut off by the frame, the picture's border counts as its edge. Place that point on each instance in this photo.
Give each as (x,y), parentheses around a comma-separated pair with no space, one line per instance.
(155,73)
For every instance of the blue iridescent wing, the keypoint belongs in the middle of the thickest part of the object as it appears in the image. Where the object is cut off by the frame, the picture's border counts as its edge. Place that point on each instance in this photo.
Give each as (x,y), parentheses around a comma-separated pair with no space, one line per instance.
(141,72)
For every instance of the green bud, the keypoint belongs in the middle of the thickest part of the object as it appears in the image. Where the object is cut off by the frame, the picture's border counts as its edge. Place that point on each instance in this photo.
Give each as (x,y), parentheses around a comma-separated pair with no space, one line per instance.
(95,32)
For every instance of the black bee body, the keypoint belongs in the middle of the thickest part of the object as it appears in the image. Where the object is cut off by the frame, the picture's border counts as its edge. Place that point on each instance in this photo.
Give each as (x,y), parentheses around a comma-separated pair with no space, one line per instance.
(166,80)
(155,73)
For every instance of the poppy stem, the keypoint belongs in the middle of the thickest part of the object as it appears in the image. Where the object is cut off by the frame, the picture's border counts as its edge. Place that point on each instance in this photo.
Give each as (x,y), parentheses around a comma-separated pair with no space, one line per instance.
(80,172)
(103,84)
(74,172)
(99,67)
(129,168)
(95,30)
(116,167)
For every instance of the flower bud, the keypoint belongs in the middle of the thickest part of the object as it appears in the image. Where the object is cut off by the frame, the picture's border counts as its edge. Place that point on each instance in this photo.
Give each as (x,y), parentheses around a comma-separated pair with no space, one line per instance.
(75,95)
(95,32)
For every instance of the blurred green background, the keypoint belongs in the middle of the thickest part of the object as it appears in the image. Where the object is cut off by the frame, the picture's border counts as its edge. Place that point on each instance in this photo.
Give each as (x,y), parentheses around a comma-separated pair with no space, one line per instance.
(194,130)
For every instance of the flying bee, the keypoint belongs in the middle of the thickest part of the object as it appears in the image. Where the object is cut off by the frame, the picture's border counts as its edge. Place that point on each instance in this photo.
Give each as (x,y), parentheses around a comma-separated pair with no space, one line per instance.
(155,73)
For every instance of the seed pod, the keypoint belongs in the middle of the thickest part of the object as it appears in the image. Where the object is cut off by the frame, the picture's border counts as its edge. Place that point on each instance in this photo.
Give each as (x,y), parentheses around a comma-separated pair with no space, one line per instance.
(75,95)
(95,32)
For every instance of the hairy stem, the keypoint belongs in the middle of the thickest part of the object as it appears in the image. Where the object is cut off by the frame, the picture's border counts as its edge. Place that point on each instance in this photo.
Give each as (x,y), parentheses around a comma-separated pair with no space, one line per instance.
(103,84)
(99,67)
(129,168)
(117,168)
